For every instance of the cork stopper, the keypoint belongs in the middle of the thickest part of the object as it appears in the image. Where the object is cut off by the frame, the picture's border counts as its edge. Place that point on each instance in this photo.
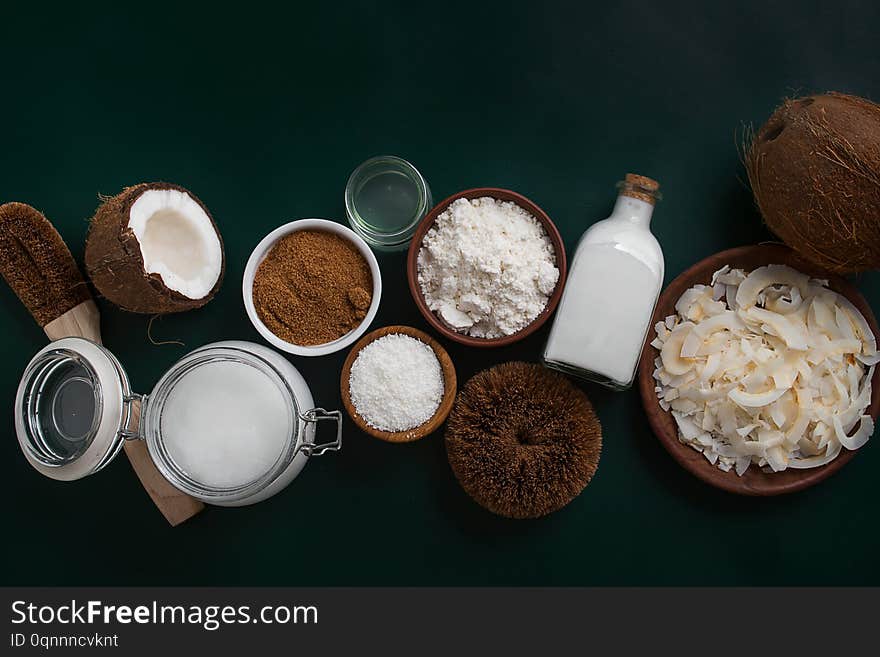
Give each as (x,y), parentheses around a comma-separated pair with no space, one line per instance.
(640,187)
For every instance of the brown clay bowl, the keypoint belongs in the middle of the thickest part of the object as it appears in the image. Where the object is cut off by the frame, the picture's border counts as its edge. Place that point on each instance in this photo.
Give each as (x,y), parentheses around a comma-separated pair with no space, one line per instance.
(416,245)
(753,481)
(449,385)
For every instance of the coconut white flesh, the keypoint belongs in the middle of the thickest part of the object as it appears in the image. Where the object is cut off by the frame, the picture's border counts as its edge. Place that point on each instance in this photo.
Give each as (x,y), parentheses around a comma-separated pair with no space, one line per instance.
(177,240)
(770,368)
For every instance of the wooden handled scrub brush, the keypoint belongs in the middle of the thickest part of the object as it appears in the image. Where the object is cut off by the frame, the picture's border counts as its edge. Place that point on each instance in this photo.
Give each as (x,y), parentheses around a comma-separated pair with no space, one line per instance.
(39,268)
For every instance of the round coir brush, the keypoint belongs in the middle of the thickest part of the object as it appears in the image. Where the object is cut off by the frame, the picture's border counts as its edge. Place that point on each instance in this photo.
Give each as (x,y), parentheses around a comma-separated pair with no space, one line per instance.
(522,440)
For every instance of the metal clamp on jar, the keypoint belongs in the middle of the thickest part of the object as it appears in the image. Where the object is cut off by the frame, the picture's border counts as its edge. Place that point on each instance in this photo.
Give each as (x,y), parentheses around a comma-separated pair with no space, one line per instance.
(230,424)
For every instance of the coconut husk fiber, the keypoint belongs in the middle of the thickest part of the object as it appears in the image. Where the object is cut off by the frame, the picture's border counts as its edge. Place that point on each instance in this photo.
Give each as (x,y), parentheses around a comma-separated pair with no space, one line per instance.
(814,168)
(37,264)
(522,440)
(115,264)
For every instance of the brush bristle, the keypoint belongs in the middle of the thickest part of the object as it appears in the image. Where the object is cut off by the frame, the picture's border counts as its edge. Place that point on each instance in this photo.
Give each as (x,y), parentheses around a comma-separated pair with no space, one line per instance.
(522,440)
(37,264)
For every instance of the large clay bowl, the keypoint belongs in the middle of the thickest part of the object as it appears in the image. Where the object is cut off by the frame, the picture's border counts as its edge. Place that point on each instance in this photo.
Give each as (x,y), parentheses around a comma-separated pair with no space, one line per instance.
(753,481)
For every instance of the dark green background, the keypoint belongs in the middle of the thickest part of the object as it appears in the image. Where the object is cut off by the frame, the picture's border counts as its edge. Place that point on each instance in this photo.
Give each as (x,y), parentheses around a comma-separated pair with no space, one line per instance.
(263,114)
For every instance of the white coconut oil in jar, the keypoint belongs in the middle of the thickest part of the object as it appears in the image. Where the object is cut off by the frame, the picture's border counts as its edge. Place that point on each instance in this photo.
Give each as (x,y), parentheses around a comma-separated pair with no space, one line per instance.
(225,424)
(612,288)
(233,423)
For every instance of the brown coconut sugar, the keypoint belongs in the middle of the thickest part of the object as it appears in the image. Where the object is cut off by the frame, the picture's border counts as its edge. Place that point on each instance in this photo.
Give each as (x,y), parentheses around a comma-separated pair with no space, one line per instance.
(312,288)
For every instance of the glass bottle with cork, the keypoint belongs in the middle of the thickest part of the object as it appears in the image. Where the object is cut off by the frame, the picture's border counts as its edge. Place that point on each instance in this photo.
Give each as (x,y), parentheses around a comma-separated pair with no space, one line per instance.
(612,288)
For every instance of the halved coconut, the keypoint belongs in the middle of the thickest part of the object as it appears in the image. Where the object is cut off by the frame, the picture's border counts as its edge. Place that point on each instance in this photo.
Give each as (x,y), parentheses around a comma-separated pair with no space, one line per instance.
(154,248)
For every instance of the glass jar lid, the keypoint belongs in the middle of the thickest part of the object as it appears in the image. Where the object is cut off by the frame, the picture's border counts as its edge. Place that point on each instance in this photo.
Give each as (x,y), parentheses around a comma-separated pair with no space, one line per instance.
(72,409)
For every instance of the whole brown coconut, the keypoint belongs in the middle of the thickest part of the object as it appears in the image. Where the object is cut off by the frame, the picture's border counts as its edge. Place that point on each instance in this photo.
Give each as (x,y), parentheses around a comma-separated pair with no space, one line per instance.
(155,249)
(522,440)
(814,168)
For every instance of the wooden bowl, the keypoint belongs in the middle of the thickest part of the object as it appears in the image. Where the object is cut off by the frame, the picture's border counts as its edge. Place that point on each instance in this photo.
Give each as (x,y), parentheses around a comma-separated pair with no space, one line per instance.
(416,245)
(753,481)
(449,385)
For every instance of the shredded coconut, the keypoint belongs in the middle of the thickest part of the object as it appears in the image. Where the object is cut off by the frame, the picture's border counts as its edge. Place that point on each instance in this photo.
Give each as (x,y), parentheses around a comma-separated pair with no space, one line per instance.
(396,383)
(487,267)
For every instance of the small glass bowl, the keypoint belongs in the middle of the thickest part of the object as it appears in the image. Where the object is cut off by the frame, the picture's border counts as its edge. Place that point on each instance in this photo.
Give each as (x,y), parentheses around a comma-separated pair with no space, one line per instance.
(385,199)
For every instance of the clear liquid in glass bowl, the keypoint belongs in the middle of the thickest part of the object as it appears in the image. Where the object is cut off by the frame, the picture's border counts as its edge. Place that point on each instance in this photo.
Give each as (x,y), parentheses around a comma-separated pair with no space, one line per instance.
(385,199)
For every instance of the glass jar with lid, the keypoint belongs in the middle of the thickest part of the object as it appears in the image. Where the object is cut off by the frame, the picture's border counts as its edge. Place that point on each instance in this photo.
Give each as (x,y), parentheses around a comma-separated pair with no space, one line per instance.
(230,424)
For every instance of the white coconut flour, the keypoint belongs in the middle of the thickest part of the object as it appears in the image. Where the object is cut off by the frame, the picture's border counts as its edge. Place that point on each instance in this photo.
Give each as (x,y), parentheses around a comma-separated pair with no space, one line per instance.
(487,267)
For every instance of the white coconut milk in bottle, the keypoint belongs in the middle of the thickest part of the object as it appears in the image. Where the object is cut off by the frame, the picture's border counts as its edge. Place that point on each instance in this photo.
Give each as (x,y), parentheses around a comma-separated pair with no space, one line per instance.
(612,288)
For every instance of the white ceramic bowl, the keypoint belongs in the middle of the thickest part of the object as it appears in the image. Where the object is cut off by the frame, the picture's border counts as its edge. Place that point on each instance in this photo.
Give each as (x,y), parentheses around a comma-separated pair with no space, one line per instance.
(247,286)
